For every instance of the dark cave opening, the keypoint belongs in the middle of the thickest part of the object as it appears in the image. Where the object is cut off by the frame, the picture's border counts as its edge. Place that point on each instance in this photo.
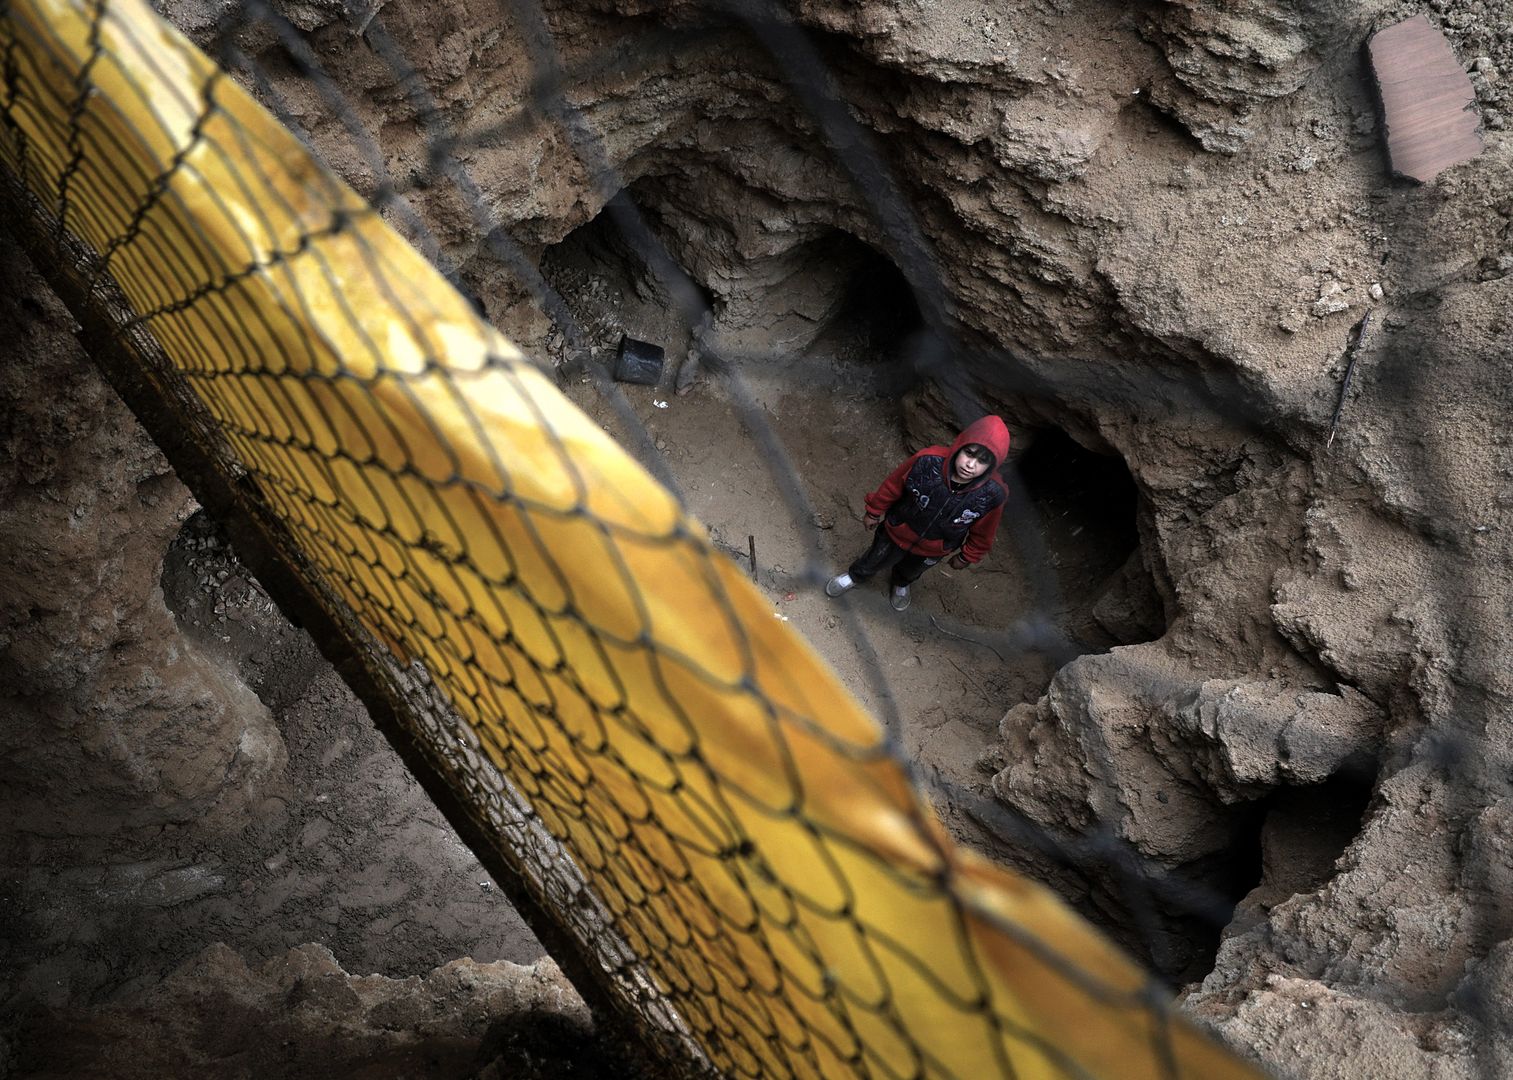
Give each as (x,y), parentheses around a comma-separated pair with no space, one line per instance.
(606,290)
(1087,505)
(875,321)
(1305,830)
(1283,845)
(820,309)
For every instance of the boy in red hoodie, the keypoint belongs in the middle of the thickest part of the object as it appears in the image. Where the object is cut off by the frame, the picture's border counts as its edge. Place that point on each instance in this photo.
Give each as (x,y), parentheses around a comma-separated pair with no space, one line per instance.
(941,501)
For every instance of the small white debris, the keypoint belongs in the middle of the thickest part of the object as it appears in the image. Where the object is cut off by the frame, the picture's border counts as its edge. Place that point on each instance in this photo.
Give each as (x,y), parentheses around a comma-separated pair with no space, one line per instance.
(1375,290)
(1331,300)
(659,404)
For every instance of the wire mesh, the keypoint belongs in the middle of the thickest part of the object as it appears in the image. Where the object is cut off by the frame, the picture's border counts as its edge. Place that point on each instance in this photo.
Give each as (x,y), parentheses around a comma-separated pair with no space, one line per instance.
(732,848)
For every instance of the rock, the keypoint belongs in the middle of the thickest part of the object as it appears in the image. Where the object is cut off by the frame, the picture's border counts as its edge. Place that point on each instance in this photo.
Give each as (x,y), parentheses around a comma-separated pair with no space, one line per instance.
(1259,739)
(1227,64)
(1053,146)
(1130,609)
(1331,300)
(1288,1012)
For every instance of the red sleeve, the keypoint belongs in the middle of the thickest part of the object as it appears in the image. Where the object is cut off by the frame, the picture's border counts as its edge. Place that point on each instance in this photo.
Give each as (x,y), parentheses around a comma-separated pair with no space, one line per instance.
(879,502)
(980,536)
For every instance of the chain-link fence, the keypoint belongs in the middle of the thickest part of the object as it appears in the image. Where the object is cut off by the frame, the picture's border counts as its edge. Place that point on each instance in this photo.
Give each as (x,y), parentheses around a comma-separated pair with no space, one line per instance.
(728,856)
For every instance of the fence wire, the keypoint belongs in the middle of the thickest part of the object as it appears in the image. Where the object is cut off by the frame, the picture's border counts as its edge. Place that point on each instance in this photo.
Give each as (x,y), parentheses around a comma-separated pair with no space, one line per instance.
(732,856)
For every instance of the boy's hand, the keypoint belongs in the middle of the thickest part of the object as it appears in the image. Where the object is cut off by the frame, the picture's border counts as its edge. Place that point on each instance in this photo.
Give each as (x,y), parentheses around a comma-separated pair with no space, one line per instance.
(959,562)
(872,520)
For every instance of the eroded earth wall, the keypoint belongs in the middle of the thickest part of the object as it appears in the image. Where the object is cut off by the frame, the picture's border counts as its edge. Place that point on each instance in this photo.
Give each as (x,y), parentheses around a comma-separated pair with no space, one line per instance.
(1158,227)
(95,667)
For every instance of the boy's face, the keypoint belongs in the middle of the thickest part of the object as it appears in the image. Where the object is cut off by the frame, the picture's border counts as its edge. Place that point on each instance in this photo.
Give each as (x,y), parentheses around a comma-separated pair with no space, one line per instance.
(967,467)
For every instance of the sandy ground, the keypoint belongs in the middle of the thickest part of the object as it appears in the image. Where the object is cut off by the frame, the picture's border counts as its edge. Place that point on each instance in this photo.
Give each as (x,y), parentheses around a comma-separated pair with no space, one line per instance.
(948,692)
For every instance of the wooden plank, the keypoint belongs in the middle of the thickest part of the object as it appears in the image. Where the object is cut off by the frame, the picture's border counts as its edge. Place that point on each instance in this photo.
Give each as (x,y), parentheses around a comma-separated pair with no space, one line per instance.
(1428,105)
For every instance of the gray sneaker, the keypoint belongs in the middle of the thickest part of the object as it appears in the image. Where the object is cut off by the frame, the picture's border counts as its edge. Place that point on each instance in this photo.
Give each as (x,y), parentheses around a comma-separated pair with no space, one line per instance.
(838,584)
(900,598)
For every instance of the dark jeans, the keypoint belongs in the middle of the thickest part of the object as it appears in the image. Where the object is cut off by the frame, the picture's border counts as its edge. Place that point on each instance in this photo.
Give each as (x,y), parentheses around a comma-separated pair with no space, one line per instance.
(885,553)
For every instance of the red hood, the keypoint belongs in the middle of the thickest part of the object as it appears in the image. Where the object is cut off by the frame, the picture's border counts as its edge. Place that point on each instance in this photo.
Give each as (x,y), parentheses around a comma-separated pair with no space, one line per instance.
(991,432)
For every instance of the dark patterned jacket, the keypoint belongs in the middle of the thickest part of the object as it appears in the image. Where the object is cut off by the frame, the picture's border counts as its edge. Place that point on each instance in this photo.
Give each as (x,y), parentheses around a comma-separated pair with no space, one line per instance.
(925,514)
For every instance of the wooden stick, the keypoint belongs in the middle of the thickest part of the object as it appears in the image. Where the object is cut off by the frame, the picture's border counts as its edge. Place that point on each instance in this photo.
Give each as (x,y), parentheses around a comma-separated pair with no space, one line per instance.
(1352,352)
(752,541)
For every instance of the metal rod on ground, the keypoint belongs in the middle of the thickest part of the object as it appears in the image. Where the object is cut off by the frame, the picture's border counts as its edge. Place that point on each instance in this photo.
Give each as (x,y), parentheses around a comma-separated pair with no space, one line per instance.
(1351,353)
(963,637)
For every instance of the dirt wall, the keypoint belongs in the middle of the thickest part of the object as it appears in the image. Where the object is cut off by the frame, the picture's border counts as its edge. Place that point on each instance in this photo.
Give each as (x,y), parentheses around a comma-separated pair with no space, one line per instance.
(1157,228)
